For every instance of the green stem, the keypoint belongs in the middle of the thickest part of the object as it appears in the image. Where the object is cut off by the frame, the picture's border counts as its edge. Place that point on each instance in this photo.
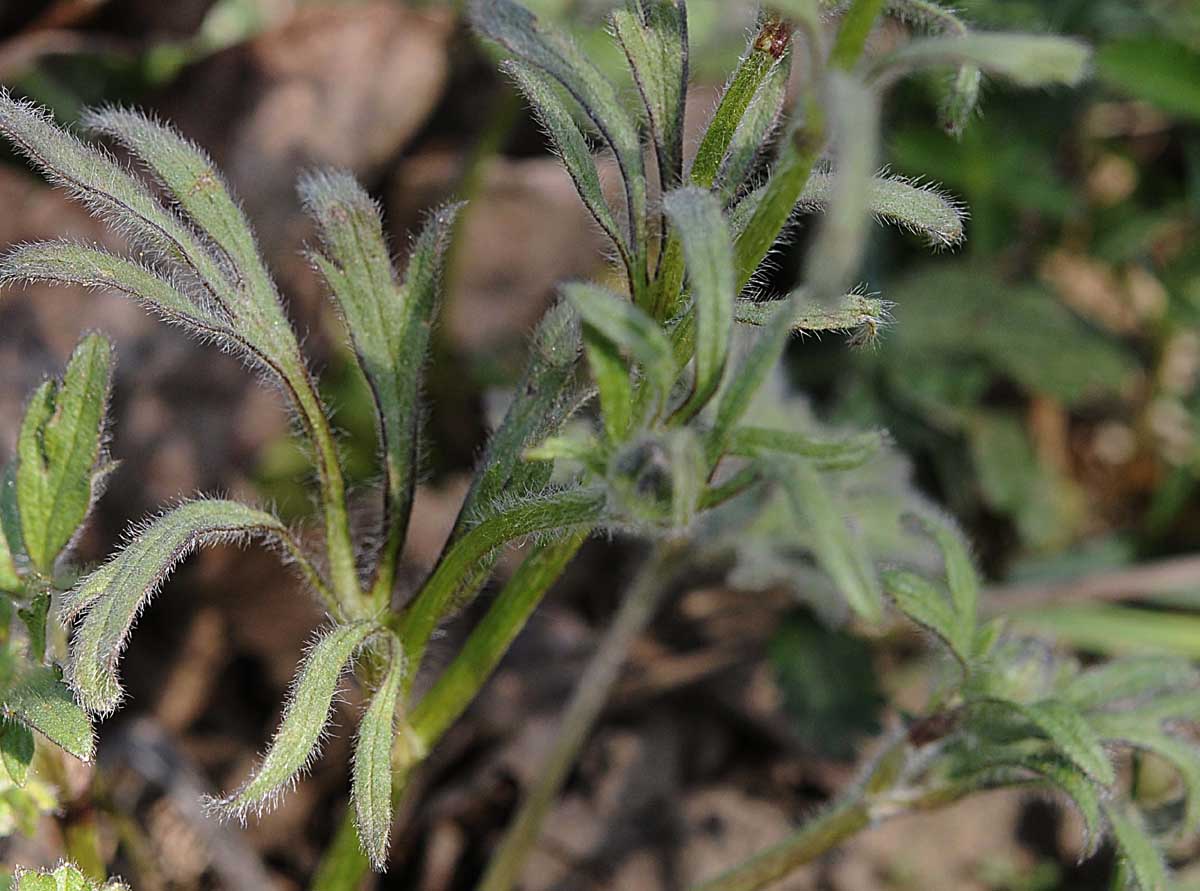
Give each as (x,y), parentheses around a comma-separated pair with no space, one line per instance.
(591,693)
(458,685)
(852,34)
(818,836)
(343,866)
(577,507)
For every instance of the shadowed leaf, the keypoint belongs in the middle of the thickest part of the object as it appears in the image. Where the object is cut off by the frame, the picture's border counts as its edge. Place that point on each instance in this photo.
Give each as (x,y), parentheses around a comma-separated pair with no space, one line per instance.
(1028,60)
(918,207)
(372,778)
(1138,853)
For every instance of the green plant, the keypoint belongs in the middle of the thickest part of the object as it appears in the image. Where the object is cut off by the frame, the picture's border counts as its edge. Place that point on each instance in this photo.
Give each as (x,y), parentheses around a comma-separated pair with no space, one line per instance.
(668,453)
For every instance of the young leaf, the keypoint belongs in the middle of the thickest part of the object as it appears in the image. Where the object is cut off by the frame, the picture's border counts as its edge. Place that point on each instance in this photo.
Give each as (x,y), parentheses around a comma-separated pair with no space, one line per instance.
(1138,853)
(42,702)
(918,207)
(653,34)
(59,449)
(16,750)
(759,120)
(962,94)
(297,741)
(708,252)
(389,323)
(543,46)
(1028,60)
(372,778)
(836,252)
(961,575)
(572,148)
(611,374)
(629,328)
(921,601)
(844,558)
(10,529)
(114,595)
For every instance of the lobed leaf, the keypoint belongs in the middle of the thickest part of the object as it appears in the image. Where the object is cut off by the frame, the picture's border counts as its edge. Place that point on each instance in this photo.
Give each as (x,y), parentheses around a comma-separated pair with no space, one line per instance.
(839,553)
(925,604)
(1028,60)
(41,701)
(372,776)
(654,36)
(389,322)
(572,148)
(16,750)
(60,450)
(1138,853)
(112,597)
(297,741)
(836,252)
(920,208)
(708,253)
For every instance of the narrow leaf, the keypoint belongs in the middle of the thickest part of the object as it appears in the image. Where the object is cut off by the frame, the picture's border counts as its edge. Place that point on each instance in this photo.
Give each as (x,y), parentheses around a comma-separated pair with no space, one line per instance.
(838,552)
(1071,733)
(297,741)
(708,252)
(837,251)
(65,877)
(654,36)
(59,449)
(962,91)
(42,702)
(1133,678)
(1137,851)
(572,148)
(1028,60)
(961,575)
(10,531)
(844,454)
(853,312)
(921,208)
(611,374)
(114,595)
(16,750)
(753,134)
(372,779)
(925,604)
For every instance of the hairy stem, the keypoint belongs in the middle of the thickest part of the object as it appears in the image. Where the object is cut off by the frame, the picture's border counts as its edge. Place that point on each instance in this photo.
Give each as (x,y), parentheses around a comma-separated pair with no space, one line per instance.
(590,695)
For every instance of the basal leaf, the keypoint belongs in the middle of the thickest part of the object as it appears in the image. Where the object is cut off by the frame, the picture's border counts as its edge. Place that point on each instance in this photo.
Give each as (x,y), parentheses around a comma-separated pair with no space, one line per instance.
(16,750)
(708,252)
(838,552)
(372,777)
(112,597)
(1138,853)
(919,207)
(653,34)
(41,701)
(1028,60)
(59,450)
(297,741)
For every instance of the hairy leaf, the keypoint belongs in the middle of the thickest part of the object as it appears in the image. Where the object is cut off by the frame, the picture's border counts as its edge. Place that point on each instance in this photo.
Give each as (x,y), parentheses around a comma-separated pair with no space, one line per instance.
(543,46)
(925,604)
(611,374)
(297,741)
(11,545)
(919,207)
(1139,855)
(653,34)
(16,750)
(65,877)
(839,553)
(372,779)
(389,322)
(1132,678)
(708,252)
(853,312)
(41,701)
(1028,60)
(961,576)
(962,91)
(60,448)
(629,328)
(1183,755)
(114,595)
(1072,735)
(844,454)
(572,148)
(836,252)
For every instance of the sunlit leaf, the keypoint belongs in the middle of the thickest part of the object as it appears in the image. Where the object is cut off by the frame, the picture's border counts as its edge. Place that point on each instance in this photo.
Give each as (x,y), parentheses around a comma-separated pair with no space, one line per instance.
(372,777)
(41,701)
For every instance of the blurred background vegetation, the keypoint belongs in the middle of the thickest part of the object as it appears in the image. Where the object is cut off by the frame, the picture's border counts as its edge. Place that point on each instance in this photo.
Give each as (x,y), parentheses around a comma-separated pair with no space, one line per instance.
(1044,381)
